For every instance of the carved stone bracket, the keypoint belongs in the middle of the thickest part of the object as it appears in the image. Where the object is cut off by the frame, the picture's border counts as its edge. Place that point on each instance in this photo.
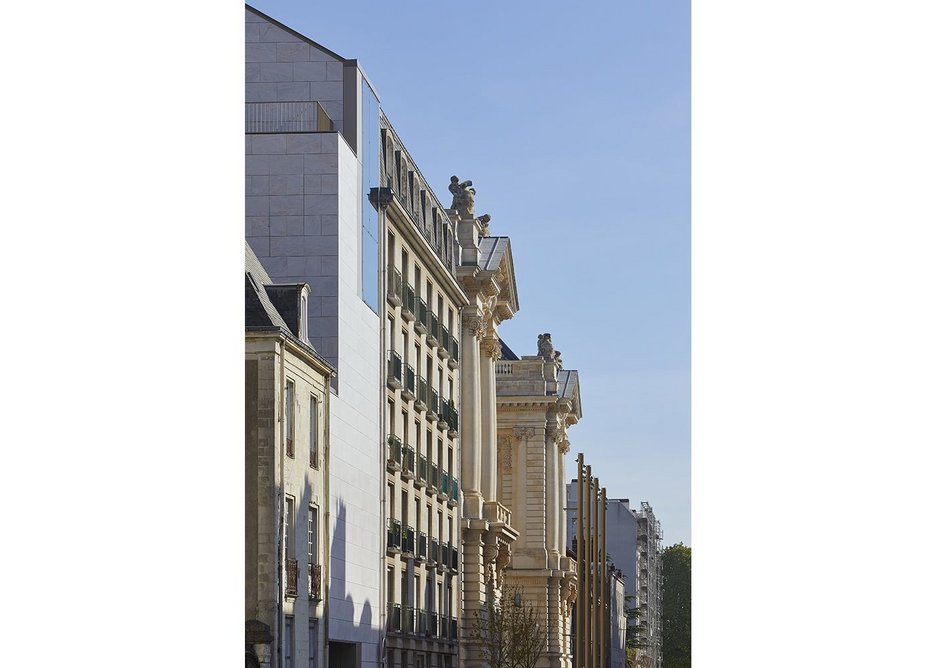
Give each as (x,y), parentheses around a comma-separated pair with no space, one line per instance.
(506,453)
(524,433)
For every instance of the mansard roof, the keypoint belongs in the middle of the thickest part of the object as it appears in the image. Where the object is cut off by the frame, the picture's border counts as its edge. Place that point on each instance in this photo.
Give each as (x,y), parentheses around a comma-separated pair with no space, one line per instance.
(494,253)
(260,304)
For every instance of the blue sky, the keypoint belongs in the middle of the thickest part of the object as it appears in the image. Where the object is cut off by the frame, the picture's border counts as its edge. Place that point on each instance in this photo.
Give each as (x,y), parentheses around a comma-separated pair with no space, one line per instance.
(573,122)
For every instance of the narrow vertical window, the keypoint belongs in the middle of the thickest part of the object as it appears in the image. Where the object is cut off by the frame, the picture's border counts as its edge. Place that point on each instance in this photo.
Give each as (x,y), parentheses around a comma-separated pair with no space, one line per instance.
(288,417)
(288,642)
(313,643)
(314,432)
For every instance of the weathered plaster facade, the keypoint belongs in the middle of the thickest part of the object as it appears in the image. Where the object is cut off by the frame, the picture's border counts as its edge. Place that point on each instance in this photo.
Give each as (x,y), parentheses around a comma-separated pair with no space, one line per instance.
(286,465)
(537,402)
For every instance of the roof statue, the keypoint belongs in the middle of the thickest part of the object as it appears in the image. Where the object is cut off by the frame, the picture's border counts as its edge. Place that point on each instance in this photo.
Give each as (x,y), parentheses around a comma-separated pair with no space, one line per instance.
(484,220)
(545,346)
(463,196)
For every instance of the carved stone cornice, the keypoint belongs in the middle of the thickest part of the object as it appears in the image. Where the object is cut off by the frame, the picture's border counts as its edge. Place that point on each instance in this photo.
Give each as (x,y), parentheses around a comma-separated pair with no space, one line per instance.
(524,433)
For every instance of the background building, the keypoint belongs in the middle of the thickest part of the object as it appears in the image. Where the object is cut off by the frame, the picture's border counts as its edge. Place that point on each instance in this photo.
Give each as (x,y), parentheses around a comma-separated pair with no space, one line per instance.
(286,465)
(312,156)
(649,538)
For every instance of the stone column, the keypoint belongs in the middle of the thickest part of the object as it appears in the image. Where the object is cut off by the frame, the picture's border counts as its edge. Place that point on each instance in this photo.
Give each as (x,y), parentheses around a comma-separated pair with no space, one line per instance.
(488,438)
(470,419)
(530,499)
(474,593)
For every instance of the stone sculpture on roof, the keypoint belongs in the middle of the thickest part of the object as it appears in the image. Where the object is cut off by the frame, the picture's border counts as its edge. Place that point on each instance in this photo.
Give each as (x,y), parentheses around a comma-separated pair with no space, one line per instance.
(545,346)
(463,196)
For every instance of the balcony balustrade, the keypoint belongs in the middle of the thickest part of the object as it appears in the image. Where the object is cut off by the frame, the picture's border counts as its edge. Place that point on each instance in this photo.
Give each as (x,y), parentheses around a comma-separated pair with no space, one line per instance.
(292,575)
(446,559)
(409,457)
(432,624)
(407,614)
(394,454)
(408,309)
(455,349)
(434,476)
(421,472)
(409,540)
(432,408)
(395,288)
(454,556)
(422,546)
(276,117)
(315,582)
(408,392)
(444,407)
(434,550)
(443,342)
(394,534)
(443,488)
(453,492)
(452,419)
(432,334)
(394,371)
(422,394)
(393,618)
(422,318)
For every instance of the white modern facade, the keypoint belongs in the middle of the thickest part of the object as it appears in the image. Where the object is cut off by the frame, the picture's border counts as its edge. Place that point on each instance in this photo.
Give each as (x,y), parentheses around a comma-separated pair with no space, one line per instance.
(311,158)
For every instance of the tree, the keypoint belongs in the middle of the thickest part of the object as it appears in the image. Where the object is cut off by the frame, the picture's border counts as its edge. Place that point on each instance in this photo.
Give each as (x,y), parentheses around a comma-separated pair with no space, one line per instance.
(675,604)
(511,634)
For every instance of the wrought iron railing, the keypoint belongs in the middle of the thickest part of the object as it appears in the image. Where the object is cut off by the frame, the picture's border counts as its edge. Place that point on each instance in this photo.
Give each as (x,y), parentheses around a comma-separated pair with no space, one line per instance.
(292,575)
(454,556)
(455,349)
(444,339)
(409,381)
(432,625)
(395,286)
(434,476)
(454,489)
(407,614)
(433,331)
(433,405)
(434,549)
(315,581)
(422,314)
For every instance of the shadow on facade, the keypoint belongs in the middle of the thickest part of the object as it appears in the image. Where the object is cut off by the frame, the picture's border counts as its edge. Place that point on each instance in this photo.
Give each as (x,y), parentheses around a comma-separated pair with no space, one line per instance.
(347,652)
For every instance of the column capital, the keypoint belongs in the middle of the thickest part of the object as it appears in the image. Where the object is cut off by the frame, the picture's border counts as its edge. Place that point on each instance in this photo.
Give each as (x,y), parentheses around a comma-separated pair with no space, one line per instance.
(491,347)
(473,325)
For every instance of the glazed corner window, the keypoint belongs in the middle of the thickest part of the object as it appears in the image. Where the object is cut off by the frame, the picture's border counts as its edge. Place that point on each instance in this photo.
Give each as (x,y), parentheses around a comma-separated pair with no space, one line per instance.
(288,417)
(314,432)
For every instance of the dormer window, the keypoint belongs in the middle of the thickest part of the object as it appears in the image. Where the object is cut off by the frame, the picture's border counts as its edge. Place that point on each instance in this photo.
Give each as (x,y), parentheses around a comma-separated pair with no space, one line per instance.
(303,317)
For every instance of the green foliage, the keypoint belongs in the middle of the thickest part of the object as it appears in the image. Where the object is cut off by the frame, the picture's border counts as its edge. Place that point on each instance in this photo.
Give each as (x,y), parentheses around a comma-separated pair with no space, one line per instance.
(675,612)
(510,633)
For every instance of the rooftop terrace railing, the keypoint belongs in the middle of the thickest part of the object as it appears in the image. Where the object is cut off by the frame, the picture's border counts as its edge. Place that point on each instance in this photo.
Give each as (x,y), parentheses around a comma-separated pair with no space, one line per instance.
(273,117)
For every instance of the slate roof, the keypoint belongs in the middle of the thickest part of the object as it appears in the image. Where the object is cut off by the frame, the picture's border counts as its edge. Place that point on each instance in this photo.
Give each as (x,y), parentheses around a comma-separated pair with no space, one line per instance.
(260,312)
(507,353)
(490,252)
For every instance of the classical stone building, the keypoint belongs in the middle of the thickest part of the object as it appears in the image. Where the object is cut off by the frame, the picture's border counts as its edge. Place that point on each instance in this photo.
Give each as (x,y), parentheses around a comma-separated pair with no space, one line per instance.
(312,156)
(537,402)
(286,465)
(422,390)
(486,274)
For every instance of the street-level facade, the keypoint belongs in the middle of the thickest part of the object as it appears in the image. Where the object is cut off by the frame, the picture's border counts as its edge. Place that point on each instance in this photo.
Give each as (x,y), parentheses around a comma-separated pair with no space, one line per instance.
(286,465)
(421,334)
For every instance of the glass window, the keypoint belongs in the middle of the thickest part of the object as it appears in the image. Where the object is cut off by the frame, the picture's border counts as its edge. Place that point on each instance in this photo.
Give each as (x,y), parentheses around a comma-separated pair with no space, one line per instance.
(288,417)
(314,432)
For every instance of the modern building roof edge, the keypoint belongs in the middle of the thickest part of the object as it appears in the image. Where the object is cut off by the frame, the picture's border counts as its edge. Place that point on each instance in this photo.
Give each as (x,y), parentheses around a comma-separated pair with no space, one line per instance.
(301,36)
